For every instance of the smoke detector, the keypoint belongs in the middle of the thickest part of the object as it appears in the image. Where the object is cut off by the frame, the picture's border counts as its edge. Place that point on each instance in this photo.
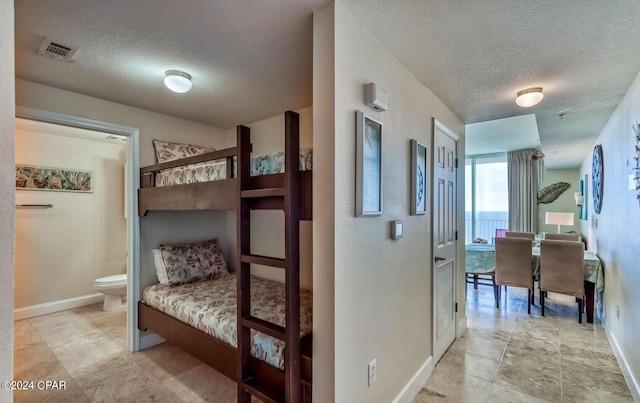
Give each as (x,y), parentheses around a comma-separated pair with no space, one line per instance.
(57,50)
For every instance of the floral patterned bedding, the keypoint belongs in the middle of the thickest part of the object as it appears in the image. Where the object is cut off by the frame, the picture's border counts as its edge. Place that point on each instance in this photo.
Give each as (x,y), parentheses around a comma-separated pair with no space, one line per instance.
(210,306)
(217,170)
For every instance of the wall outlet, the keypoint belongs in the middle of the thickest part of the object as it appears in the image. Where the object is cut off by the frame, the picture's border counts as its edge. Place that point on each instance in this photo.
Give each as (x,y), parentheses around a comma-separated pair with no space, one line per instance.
(618,311)
(372,372)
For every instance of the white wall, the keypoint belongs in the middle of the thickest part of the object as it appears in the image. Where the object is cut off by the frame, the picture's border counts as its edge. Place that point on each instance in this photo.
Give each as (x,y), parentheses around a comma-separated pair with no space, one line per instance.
(60,251)
(7,193)
(565,203)
(382,288)
(616,238)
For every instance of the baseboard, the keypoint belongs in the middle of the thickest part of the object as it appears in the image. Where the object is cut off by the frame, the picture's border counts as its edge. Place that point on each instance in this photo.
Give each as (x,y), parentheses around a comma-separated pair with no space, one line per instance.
(632,383)
(57,306)
(150,339)
(415,384)
(462,326)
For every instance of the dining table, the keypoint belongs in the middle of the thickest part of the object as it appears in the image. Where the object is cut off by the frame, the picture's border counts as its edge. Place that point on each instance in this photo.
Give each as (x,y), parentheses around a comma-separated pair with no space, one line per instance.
(480,259)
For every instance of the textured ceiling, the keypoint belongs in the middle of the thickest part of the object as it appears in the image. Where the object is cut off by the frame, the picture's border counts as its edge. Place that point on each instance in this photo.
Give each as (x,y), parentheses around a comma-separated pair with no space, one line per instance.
(249,59)
(252,59)
(475,55)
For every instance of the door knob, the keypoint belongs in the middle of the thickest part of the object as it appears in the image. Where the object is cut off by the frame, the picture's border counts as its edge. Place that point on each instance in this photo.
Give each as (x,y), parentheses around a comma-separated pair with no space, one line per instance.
(439,258)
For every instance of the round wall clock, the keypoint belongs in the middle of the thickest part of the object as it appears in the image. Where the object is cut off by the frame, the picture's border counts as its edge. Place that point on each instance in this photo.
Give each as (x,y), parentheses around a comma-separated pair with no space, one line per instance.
(597,178)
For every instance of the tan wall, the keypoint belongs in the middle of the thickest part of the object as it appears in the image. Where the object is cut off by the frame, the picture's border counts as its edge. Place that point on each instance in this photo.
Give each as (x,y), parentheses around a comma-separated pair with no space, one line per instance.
(156,227)
(7,193)
(267,227)
(565,203)
(382,288)
(613,234)
(324,140)
(60,251)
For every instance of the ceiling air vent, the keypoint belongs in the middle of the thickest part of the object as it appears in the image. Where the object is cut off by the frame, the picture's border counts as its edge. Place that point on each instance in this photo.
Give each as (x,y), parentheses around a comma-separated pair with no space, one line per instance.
(57,50)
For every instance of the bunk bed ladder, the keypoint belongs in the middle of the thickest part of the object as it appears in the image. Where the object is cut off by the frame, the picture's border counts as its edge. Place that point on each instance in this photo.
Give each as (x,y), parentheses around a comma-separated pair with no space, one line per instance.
(285,196)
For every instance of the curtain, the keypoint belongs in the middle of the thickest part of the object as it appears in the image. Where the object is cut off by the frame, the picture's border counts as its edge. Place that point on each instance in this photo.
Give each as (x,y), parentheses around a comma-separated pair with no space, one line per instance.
(523,191)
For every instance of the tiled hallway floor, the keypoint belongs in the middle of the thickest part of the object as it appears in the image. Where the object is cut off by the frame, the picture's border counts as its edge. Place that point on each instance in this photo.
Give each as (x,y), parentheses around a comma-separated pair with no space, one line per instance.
(86,348)
(504,356)
(507,355)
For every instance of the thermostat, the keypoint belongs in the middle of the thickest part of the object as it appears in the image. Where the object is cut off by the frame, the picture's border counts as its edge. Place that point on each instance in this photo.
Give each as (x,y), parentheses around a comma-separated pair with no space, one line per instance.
(396,229)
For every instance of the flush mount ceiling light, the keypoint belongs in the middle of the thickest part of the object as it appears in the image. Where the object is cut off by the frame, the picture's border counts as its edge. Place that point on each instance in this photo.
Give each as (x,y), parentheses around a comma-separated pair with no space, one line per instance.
(177,81)
(529,97)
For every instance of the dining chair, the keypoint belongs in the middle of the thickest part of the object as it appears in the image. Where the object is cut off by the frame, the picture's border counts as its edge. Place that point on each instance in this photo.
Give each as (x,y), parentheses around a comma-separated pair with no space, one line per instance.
(517,234)
(563,237)
(562,270)
(513,266)
(500,233)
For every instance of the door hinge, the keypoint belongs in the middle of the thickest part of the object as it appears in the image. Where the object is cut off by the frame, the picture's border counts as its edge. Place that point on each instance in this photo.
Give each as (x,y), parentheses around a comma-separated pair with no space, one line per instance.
(456,235)
(456,307)
(456,163)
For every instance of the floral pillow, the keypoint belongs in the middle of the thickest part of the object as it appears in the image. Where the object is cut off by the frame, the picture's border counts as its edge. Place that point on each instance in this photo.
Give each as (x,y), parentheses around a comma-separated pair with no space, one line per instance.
(194,262)
(167,151)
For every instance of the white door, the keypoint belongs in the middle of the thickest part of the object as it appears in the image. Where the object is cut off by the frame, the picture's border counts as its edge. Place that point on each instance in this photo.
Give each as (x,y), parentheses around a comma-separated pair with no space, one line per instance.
(445,146)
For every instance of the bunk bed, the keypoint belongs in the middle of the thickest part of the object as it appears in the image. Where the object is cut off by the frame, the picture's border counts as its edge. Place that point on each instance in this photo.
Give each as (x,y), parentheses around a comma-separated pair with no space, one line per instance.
(234,188)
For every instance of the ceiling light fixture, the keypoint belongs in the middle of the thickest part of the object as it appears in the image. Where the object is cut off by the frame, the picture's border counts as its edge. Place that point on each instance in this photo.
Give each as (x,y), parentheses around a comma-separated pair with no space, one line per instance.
(529,97)
(178,81)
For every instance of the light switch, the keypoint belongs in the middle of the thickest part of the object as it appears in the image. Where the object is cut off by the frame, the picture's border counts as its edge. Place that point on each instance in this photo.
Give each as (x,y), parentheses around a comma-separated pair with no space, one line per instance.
(396,229)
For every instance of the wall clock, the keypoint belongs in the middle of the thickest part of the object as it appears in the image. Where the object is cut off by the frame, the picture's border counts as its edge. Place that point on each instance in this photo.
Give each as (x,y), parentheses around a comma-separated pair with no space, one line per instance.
(597,178)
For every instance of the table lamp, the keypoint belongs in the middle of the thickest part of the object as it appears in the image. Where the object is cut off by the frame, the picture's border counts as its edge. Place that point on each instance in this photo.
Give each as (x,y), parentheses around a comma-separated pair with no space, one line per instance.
(559,219)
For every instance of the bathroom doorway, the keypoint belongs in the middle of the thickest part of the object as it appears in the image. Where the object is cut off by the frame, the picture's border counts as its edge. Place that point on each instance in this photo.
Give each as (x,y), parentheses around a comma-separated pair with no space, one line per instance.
(111,223)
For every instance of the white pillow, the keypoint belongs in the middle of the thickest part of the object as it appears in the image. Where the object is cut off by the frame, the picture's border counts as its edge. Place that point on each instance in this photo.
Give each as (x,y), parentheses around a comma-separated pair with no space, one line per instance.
(161,271)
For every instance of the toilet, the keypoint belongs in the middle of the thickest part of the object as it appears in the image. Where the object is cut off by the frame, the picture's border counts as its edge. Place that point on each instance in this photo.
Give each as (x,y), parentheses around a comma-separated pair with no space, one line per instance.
(114,289)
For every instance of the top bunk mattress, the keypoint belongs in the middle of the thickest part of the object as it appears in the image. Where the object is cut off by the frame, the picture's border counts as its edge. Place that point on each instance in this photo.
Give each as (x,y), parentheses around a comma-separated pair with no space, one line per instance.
(217,170)
(210,306)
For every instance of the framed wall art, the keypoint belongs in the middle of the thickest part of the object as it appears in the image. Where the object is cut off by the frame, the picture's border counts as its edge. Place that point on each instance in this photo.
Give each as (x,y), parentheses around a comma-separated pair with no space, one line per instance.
(418,178)
(579,195)
(29,177)
(368,166)
(597,178)
(585,206)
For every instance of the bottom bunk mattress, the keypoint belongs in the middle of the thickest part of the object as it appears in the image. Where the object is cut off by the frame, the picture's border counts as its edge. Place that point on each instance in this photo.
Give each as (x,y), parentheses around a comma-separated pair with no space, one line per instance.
(210,306)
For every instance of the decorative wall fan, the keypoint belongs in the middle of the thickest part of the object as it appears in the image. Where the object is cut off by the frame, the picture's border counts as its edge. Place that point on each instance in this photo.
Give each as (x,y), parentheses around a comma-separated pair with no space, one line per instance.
(549,193)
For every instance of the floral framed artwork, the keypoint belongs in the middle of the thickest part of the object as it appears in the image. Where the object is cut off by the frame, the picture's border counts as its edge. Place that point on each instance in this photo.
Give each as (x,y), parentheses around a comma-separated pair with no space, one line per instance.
(418,178)
(368,166)
(29,177)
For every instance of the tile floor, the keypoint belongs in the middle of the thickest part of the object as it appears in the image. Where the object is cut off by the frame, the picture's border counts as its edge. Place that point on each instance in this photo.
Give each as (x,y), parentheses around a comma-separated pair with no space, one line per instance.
(507,355)
(504,356)
(86,348)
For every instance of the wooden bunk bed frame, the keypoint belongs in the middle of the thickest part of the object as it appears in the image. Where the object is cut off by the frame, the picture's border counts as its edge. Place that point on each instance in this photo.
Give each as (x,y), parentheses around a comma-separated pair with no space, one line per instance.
(214,195)
(289,191)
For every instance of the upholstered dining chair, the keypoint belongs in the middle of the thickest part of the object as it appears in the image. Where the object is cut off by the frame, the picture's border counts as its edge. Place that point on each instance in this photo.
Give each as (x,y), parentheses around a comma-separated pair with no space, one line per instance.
(562,270)
(517,234)
(499,234)
(563,237)
(513,266)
